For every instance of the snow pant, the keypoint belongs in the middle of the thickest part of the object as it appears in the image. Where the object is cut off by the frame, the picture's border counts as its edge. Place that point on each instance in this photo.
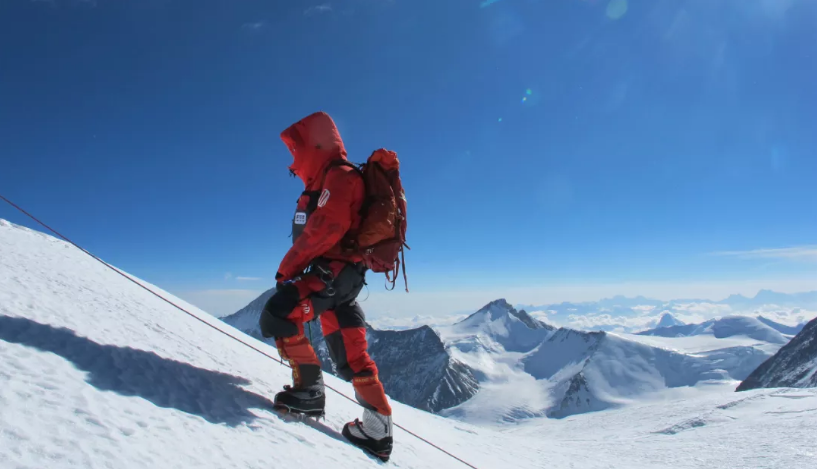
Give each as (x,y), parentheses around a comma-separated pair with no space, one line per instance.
(342,322)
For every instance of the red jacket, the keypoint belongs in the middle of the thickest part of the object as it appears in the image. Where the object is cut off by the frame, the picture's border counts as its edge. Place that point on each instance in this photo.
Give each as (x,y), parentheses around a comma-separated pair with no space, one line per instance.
(315,143)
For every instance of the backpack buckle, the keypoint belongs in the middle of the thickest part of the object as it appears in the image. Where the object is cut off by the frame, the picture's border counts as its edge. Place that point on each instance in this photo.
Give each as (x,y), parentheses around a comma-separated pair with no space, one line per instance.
(328,278)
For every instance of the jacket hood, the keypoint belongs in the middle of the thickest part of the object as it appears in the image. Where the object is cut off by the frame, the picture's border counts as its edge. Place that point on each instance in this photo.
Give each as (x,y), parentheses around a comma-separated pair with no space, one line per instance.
(314,141)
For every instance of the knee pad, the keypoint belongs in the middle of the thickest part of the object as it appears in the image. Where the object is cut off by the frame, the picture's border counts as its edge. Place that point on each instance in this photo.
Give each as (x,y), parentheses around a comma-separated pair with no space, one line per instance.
(273,326)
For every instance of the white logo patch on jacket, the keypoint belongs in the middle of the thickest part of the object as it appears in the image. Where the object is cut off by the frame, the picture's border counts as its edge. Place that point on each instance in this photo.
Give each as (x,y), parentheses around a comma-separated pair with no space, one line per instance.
(300,218)
(324,198)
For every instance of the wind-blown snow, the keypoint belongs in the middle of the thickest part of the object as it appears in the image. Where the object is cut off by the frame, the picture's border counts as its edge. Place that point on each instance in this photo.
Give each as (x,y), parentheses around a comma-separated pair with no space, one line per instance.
(95,372)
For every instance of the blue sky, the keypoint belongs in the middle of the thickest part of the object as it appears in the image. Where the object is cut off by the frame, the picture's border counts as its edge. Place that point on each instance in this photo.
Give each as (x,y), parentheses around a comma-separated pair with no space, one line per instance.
(547,146)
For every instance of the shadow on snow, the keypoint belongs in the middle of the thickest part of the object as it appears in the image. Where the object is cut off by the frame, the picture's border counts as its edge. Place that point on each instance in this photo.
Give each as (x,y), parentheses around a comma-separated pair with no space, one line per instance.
(214,396)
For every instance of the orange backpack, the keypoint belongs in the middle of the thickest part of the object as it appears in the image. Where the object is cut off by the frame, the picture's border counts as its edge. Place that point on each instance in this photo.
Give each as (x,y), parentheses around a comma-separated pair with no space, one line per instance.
(381,237)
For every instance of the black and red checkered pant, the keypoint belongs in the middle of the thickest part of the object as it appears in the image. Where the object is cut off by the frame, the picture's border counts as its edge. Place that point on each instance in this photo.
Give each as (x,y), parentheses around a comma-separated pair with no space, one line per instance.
(343,325)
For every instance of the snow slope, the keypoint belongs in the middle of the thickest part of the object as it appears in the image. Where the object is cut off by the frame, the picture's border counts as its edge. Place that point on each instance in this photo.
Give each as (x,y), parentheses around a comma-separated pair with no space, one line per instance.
(500,323)
(795,365)
(97,373)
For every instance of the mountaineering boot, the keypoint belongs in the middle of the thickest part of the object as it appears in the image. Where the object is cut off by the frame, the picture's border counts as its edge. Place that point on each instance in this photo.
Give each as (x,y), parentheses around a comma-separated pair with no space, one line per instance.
(306,394)
(309,401)
(373,434)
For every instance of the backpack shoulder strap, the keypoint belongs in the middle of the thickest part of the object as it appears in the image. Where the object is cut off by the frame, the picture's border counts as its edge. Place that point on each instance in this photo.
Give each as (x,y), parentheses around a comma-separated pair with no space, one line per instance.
(338,163)
(315,194)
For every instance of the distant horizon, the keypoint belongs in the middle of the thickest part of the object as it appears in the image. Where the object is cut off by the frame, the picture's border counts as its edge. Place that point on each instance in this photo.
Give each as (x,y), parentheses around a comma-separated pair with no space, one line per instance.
(220,303)
(466,299)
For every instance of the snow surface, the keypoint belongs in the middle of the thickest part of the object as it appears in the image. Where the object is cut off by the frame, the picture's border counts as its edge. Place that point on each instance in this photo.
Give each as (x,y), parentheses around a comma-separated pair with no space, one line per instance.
(97,373)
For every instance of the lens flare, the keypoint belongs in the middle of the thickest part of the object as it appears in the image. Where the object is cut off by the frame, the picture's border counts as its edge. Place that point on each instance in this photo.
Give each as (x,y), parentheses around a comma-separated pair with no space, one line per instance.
(616,9)
(487,3)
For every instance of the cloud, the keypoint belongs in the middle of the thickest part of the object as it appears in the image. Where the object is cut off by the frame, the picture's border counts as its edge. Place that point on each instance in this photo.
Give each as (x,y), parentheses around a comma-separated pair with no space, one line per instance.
(798,253)
(248,279)
(318,9)
(254,27)
(228,276)
(402,323)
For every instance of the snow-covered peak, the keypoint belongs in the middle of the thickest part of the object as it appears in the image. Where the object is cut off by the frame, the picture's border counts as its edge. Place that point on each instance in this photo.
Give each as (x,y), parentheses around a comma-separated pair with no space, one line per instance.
(736,298)
(246,318)
(500,310)
(589,371)
(729,326)
(493,311)
(668,320)
(499,323)
(751,327)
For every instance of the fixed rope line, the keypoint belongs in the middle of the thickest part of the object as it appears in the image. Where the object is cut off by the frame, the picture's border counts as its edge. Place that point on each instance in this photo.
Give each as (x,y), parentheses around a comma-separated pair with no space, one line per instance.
(237,339)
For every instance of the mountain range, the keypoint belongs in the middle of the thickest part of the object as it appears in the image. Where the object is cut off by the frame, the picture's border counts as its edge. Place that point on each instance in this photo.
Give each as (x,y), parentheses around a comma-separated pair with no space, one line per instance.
(619,303)
(502,364)
(630,315)
(527,368)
